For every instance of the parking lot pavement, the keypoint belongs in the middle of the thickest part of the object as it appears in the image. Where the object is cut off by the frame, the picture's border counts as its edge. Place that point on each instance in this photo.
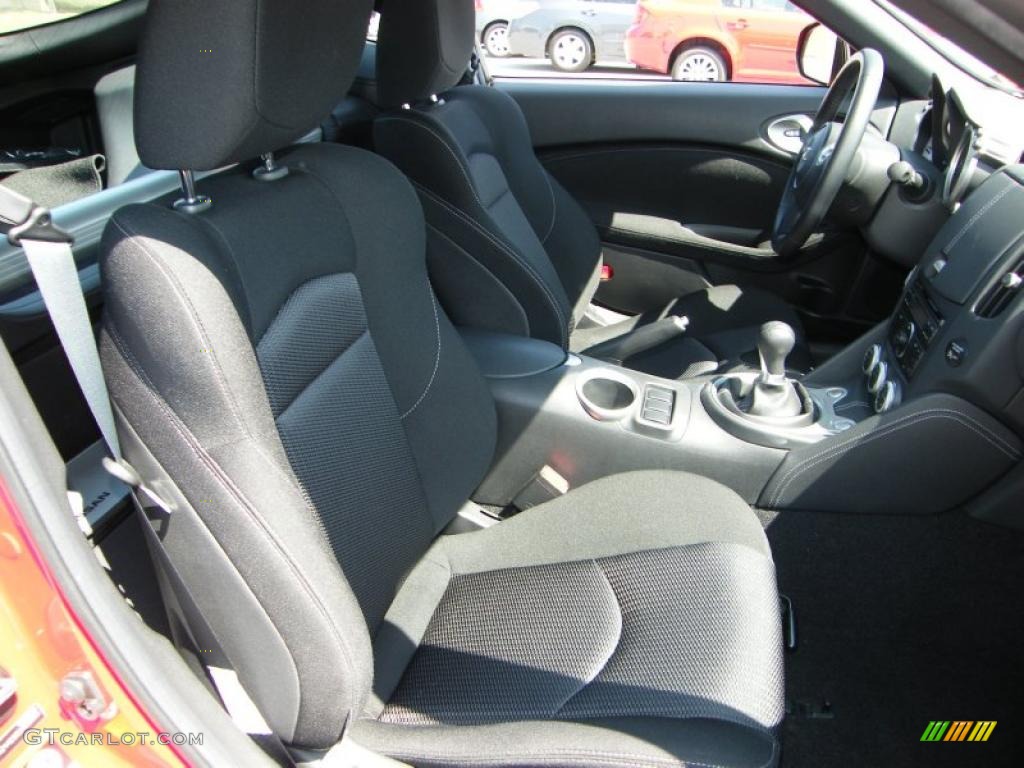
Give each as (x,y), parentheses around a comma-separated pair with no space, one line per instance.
(521,67)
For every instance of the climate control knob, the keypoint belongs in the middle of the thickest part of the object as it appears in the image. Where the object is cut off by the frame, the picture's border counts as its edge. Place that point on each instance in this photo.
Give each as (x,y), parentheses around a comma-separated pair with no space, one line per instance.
(872,357)
(878,377)
(888,397)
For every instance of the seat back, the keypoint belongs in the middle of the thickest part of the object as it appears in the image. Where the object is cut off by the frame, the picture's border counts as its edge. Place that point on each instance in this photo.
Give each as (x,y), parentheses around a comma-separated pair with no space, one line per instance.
(509,249)
(279,364)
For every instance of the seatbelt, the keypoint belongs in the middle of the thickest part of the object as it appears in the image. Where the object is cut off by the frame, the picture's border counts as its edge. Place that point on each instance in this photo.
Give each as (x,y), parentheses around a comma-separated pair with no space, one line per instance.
(52,261)
(48,252)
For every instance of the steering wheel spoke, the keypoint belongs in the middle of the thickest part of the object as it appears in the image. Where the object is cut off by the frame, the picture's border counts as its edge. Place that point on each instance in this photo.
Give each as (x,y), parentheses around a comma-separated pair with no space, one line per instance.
(829,150)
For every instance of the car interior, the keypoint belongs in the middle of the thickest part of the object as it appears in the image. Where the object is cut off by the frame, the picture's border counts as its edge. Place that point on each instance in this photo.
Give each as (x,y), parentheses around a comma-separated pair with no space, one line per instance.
(469,420)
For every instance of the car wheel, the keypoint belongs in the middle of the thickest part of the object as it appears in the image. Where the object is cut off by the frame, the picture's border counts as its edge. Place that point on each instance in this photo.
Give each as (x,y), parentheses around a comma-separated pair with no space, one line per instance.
(496,40)
(571,51)
(699,64)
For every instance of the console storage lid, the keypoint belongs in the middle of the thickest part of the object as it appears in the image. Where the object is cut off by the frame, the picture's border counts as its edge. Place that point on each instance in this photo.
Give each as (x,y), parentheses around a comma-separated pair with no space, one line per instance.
(502,356)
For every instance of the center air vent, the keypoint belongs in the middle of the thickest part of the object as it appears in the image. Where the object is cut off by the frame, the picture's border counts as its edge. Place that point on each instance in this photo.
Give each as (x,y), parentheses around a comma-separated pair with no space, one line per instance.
(1000,295)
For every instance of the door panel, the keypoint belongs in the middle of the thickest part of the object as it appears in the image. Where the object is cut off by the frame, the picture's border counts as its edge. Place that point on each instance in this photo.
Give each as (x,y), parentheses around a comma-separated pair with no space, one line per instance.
(682,184)
(700,188)
(565,113)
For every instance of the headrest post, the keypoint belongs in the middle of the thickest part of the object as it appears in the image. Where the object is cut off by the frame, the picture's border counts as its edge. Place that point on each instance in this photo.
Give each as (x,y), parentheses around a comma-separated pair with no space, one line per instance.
(270,170)
(191,202)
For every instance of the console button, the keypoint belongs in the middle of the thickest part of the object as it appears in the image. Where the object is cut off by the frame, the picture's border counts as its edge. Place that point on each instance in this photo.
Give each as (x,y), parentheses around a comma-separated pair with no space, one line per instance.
(936,267)
(658,417)
(913,356)
(956,352)
(658,405)
(903,335)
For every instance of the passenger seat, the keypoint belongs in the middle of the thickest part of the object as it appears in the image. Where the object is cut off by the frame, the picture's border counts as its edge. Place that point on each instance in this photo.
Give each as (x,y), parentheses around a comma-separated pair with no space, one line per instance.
(284,376)
(510,250)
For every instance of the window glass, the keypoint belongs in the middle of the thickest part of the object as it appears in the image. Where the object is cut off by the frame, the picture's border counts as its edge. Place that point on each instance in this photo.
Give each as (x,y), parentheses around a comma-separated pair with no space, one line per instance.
(16,15)
(752,41)
(964,60)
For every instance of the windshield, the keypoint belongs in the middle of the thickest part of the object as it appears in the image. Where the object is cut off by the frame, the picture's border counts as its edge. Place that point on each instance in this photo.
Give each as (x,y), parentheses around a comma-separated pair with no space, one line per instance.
(957,55)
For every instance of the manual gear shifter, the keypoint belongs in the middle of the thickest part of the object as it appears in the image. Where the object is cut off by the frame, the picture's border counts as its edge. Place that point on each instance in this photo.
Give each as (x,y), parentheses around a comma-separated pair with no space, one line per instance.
(766,408)
(773,394)
(774,344)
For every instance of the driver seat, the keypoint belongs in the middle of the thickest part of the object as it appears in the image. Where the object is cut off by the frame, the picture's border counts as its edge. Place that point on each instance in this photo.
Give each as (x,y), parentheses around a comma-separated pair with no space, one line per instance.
(509,249)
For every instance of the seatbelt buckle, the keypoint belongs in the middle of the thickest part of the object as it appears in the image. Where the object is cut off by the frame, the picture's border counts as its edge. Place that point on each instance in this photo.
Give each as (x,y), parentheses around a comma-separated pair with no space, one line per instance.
(126,473)
(546,485)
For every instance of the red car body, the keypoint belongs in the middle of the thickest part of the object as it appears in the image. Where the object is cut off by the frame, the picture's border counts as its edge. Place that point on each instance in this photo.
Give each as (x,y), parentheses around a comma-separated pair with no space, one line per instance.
(757,39)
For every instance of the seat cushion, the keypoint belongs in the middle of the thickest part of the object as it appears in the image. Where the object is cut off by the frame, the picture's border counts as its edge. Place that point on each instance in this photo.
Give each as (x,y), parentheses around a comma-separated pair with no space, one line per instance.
(634,602)
(721,334)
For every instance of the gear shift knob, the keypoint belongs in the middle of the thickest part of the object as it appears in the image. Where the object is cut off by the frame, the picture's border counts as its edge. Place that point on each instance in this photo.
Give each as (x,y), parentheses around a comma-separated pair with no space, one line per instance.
(776,341)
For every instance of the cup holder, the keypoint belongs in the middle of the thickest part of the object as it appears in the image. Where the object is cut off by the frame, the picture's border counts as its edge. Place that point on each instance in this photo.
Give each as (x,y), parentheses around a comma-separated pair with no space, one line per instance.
(605,395)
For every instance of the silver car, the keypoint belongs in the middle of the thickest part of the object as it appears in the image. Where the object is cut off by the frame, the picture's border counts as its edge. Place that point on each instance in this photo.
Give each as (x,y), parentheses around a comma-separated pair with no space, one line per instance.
(574,34)
(493,18)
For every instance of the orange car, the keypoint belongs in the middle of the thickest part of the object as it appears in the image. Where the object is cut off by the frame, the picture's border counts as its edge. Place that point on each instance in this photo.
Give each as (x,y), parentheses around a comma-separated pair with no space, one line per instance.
(739,40)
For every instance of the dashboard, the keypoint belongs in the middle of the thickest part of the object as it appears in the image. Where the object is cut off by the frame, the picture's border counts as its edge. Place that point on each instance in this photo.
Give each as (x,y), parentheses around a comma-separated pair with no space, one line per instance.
(953,142)
(959,325)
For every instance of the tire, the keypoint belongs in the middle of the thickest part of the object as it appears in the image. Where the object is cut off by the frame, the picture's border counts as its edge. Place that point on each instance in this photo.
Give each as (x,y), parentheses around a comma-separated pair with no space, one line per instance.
(571,50)
(700,64)
(495,39)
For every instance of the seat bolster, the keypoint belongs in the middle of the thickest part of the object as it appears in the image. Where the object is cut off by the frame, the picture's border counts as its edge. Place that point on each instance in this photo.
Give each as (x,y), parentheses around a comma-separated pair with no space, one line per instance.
(613,743)
(294,631)
(404,626)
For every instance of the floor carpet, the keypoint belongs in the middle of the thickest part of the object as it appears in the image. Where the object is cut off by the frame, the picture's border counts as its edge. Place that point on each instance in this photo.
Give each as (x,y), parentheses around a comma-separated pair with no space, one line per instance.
(901,621)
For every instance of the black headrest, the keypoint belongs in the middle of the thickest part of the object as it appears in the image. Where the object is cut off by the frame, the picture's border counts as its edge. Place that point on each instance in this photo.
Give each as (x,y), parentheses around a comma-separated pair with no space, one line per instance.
(423,48)
(219,81)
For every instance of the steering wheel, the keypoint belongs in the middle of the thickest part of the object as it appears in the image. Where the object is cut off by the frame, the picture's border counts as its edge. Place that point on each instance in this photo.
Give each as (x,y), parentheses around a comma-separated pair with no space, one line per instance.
(828,152)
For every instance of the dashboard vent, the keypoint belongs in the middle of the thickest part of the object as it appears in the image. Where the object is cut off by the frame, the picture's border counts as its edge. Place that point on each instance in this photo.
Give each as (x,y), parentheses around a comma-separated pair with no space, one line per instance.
(1000,295)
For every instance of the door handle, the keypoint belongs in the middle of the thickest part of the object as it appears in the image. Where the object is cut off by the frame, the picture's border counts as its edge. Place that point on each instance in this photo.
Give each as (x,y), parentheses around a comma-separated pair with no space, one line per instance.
(788,133)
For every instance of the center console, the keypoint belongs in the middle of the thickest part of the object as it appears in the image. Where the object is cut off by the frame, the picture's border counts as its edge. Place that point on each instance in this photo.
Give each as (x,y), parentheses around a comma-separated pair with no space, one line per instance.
(944,379)
(921,415)
(586,419)
(957,327)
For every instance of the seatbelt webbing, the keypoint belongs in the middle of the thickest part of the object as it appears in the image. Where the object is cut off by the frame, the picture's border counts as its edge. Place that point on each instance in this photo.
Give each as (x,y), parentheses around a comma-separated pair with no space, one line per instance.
(53,266)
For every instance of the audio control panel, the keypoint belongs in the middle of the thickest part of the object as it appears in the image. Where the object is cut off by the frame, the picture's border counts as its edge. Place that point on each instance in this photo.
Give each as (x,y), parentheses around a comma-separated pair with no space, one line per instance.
(916,324)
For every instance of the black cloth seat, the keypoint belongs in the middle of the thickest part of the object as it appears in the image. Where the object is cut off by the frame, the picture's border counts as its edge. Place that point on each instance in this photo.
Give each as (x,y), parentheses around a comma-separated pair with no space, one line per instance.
(509,249)
(621,618)
(284,376)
